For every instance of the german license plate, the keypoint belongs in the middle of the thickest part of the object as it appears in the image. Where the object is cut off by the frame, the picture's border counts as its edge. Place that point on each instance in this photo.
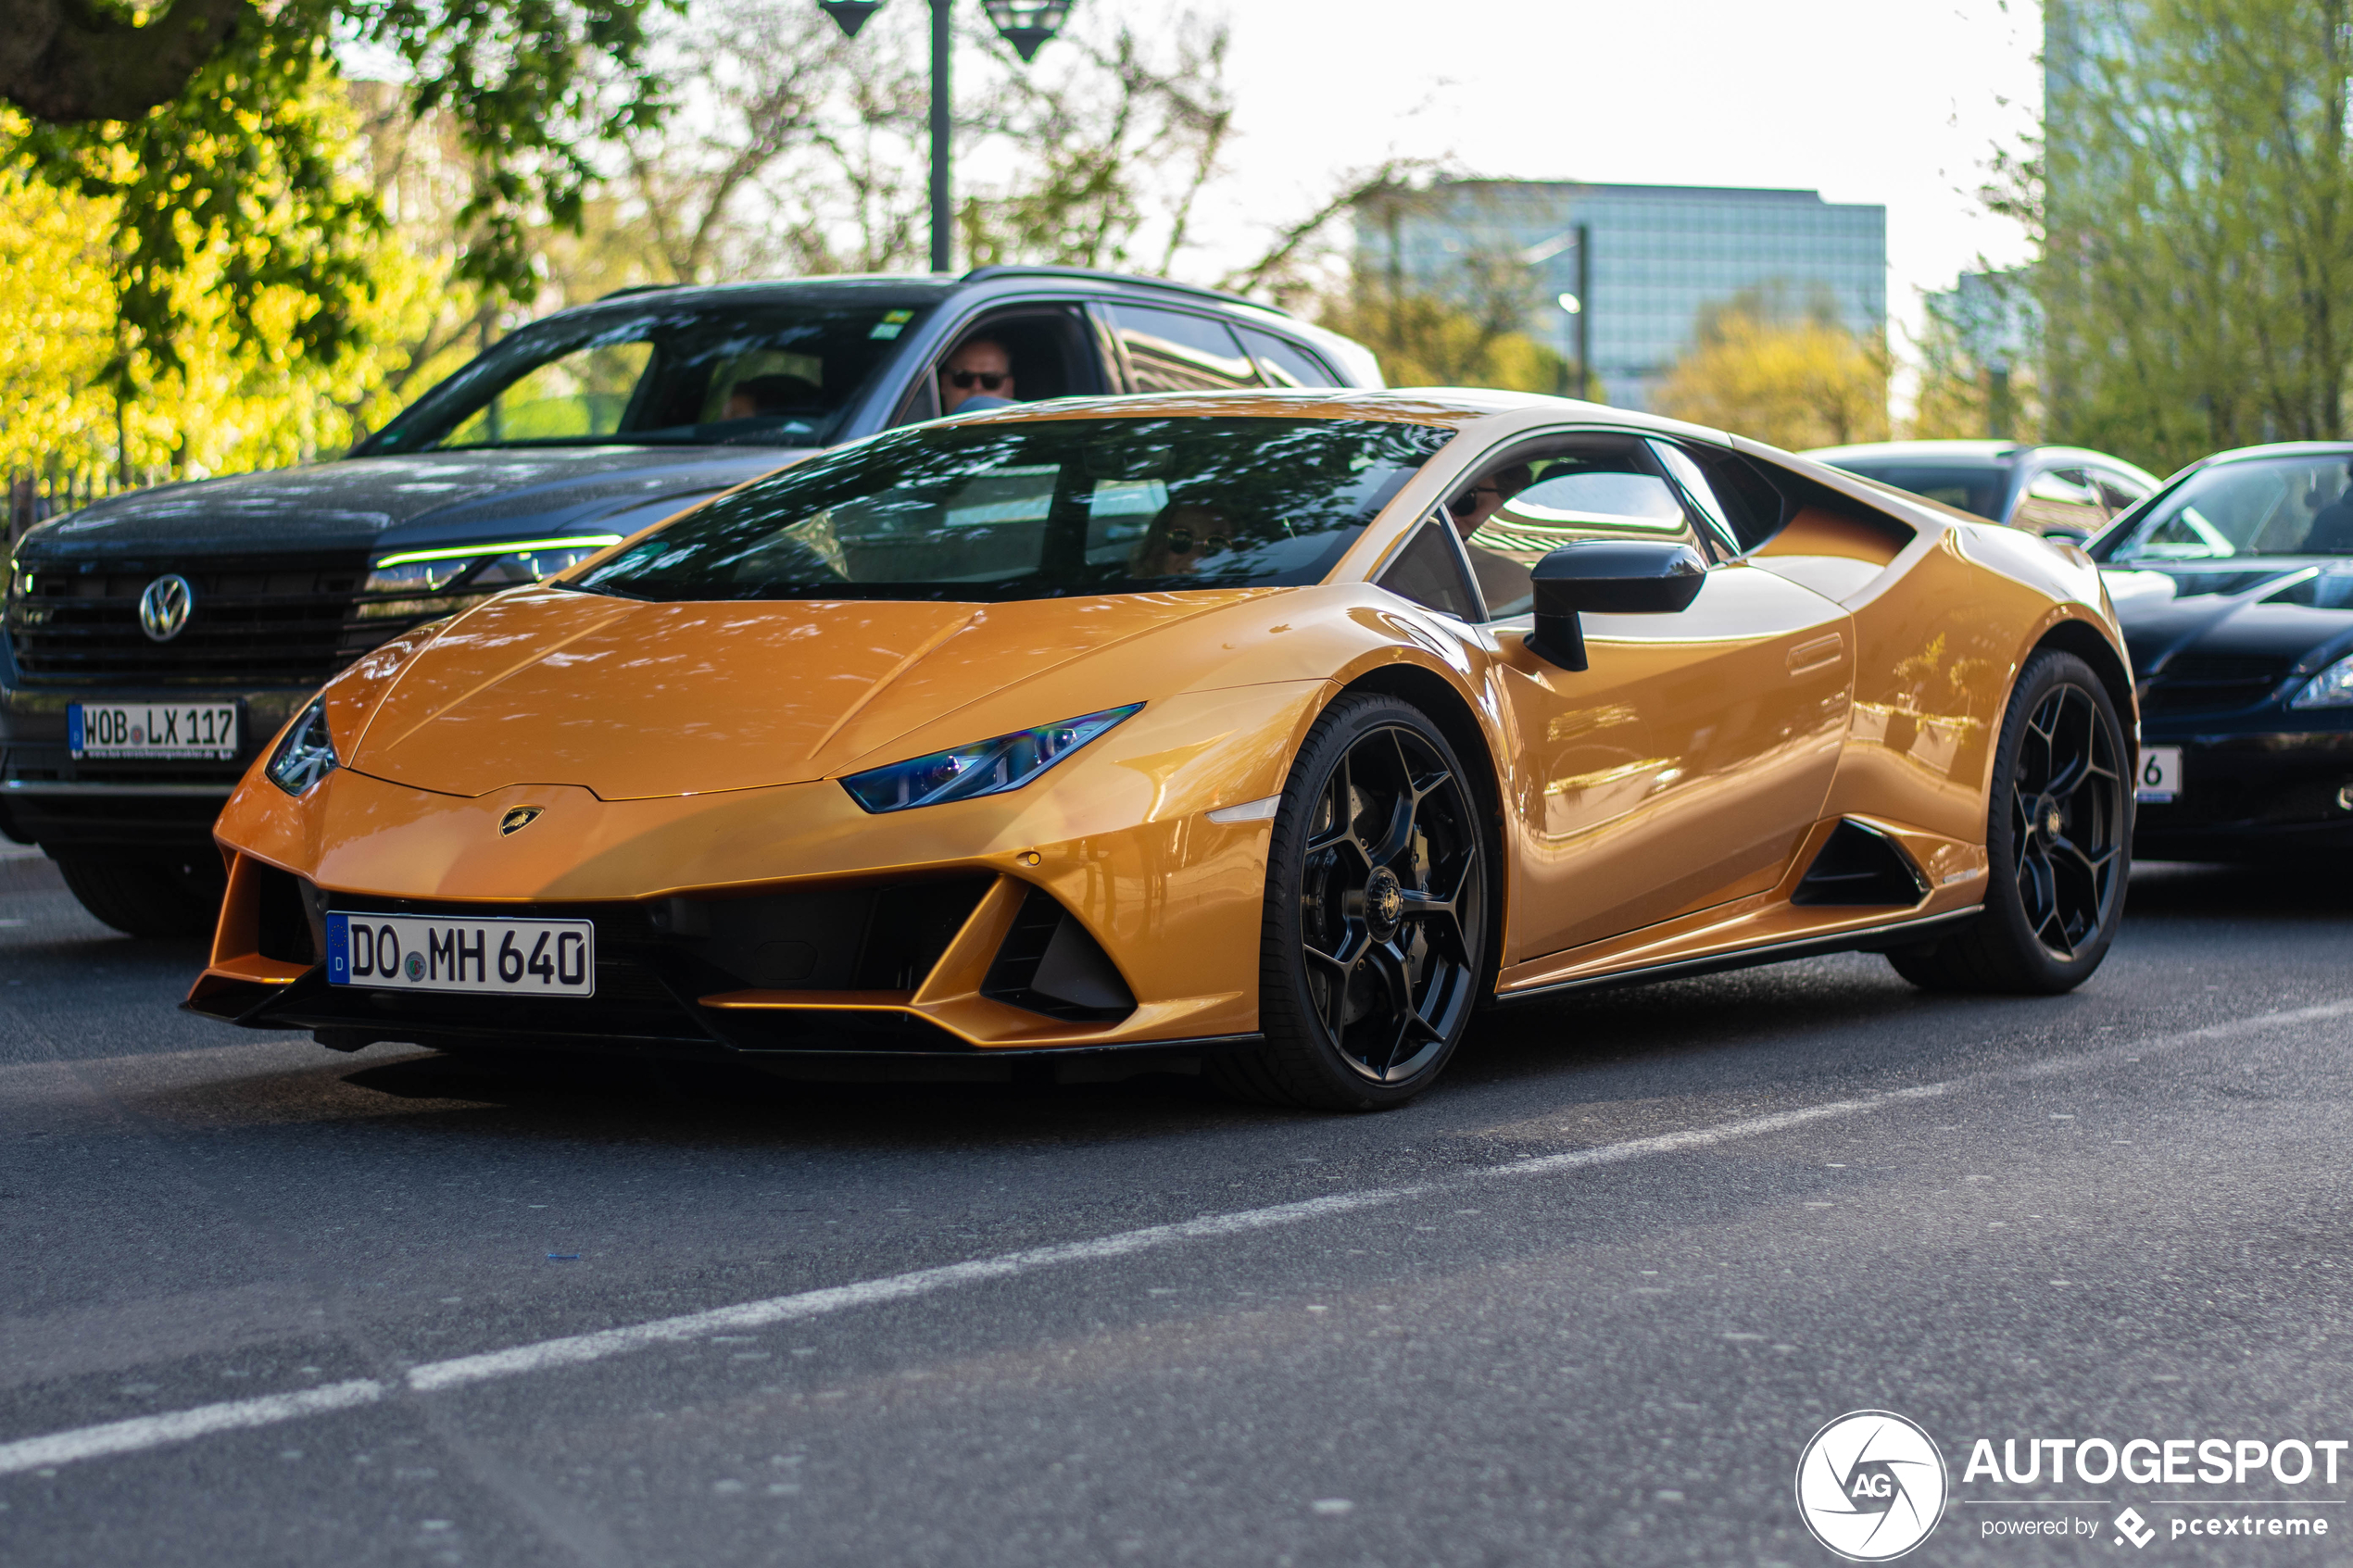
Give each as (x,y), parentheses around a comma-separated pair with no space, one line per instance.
(2160,779)
(153,729)
(499,957)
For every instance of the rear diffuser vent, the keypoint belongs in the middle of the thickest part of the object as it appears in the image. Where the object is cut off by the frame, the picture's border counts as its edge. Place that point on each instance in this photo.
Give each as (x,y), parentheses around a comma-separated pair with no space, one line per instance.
(1048,964)
(1861,866)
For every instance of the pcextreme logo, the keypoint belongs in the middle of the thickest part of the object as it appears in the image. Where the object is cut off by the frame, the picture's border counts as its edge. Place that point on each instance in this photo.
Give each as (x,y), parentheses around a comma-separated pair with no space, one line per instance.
(1870,1485)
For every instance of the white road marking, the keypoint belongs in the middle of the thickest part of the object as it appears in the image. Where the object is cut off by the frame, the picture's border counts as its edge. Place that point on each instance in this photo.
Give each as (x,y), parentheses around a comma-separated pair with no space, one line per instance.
(148,1432)
(579,1348)
(153,1431)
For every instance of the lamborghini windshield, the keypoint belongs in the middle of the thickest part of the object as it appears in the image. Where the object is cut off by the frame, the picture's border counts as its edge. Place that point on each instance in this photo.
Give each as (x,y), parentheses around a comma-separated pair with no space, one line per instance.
(1038,510)
(2298,506)
(683,373)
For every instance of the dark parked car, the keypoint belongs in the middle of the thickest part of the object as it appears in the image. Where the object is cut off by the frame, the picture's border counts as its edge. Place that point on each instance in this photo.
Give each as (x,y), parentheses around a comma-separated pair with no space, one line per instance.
(155,642)
(2058,492)
(2234,587)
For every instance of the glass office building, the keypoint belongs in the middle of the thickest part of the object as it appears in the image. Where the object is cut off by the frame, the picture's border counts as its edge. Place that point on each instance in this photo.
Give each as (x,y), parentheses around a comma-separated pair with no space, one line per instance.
(1661,255)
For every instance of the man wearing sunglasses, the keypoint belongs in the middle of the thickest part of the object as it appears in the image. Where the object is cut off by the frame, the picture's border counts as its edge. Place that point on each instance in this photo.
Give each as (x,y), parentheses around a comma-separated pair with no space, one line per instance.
(978,375)
(1505,584)
(1474,506)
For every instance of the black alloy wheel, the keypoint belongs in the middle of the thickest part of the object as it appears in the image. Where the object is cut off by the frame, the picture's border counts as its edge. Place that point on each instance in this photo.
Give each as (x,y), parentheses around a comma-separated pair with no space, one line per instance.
(1375,935)
(2058,842)
(2067,816)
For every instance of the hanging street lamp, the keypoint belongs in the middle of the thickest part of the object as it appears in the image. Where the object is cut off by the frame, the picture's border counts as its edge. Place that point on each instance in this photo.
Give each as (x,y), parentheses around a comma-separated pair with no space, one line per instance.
(1025,24)
(851,15)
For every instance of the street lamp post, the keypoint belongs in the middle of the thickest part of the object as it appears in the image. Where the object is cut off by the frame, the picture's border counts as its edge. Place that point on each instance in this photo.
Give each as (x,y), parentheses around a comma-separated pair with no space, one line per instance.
(1025,24)
(1584,311)
(1579,303)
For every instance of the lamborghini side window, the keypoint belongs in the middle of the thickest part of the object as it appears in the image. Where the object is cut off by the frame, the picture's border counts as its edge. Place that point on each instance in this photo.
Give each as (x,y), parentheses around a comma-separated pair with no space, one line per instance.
(1428,570)
(1579,487)
(1741,505)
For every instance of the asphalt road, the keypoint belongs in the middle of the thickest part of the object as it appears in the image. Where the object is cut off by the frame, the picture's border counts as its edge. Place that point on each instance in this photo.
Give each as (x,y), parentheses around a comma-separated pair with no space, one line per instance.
(1585,1303)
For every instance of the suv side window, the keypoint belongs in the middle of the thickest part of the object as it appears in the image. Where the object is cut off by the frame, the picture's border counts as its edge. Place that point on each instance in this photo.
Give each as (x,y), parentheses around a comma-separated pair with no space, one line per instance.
(2116,491)
(1429,570)
(1284,363)
(2061,502)
(1053,351)
(1173,351)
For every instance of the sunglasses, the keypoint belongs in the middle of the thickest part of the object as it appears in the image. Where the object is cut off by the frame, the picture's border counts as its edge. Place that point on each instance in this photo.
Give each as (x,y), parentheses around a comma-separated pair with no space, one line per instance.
(1467,502)
(1181,540)
(987,381)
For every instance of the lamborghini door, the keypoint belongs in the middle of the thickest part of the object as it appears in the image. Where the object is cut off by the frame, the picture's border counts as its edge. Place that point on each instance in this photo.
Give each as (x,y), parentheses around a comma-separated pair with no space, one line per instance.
(1686,765)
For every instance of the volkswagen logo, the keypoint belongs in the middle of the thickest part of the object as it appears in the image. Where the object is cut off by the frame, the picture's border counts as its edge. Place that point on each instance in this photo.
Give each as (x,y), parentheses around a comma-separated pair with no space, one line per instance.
(163,608)
(518,818)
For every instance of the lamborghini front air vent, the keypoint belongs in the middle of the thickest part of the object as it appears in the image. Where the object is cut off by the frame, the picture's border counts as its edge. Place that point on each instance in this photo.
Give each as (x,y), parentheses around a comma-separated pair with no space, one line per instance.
(1861,866)
(1048,964)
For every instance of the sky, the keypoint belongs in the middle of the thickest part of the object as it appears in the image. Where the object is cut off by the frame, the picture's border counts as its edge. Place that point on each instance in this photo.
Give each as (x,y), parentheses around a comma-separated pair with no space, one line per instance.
(1895,102)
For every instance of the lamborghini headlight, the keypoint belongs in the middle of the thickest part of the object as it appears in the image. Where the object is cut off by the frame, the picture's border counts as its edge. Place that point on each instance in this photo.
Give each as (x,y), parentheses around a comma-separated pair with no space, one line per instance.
(988,767)
(446,581)
(305,753)
(2332,687)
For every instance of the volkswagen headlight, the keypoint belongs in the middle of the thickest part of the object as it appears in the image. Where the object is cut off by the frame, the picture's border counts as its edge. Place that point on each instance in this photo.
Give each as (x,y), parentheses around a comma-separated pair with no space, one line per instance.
(443,581)
(988,767)
(306,752)
(2332,687)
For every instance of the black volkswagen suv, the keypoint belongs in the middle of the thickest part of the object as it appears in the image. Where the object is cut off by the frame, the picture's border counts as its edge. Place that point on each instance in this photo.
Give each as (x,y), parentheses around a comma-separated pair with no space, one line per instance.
(155,642)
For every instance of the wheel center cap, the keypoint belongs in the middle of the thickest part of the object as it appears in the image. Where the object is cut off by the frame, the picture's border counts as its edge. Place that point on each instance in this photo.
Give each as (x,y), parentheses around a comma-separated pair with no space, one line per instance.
(1384,903)
(2053,822)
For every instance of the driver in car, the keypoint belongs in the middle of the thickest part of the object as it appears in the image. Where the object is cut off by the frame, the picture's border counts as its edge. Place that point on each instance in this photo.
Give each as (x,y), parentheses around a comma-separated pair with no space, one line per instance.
(1502,582)
(2332,530)
(770,397)
(978,375)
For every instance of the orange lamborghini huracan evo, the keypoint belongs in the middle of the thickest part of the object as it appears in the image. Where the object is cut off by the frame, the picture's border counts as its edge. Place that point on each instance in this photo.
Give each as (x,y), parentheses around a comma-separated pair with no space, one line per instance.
(1271,733)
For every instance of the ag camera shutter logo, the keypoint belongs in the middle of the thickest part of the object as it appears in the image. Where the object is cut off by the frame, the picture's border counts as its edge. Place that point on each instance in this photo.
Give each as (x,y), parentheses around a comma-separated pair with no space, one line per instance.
(1870,1485)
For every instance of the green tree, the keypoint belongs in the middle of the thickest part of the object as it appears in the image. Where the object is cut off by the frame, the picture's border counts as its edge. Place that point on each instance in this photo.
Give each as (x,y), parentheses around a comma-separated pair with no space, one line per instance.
(2192,195)
(238,393)
(1793,378)
(197,124)
(1425,341)
(1976,359)
(1465,327)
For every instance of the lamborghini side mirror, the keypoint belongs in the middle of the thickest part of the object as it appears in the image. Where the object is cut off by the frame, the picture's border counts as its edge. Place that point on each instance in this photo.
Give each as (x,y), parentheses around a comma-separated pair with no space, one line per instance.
(1608,577)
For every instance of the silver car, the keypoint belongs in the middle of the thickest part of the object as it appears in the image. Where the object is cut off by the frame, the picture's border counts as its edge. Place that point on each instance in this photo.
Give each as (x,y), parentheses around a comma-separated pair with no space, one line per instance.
(2058,492)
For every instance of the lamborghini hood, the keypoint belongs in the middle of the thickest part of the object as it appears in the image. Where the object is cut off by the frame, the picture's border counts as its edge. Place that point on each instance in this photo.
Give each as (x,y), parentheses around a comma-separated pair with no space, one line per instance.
(633,700)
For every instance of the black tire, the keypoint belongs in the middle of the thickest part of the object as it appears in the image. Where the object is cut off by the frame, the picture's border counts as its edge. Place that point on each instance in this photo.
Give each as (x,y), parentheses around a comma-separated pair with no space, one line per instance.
(158,897)
(2058,842)
(1374,946)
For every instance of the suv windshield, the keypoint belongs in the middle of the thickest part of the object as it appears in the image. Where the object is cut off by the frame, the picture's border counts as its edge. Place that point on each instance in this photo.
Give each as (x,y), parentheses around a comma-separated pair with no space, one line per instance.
(2271,507)
(1038,509)
(762,374)
(1974,488)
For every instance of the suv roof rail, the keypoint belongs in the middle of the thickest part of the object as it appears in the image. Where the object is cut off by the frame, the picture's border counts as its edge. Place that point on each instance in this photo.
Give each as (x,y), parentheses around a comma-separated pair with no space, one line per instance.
(984,275)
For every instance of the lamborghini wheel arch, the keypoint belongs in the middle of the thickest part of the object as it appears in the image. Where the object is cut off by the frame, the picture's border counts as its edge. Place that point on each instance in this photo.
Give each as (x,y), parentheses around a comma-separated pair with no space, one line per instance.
(2083,640)
(1445,708)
